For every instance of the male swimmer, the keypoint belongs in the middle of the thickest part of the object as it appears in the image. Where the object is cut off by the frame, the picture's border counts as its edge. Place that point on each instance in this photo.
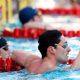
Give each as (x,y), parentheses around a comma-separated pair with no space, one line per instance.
(54,50)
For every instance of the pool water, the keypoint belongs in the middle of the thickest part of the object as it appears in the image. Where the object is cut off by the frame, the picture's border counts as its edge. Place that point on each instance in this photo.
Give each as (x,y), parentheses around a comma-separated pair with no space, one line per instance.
(31,45)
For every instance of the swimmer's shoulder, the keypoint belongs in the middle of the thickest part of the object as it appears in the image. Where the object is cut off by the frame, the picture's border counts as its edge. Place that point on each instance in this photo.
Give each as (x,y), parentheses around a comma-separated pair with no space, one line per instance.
(28,55)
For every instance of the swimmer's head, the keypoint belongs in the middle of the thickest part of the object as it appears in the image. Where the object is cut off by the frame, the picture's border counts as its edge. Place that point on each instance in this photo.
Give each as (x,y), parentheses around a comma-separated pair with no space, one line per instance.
(3,44)
(28,14)
(53,43)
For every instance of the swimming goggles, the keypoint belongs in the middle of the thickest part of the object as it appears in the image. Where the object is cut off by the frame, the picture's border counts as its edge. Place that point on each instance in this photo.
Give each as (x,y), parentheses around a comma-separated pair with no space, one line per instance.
(65,45)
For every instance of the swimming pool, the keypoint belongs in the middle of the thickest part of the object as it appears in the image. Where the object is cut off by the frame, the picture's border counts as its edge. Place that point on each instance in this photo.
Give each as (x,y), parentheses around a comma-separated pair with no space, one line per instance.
(31,45)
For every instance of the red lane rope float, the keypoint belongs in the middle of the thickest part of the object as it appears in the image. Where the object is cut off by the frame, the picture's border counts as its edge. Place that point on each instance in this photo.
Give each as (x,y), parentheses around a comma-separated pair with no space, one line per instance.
(71,11)
(78,12)
(78,33)
(36,32)
(17,33)
(7,33)
(55,11)
(63,32)
(26,33)
(47,11)
(62,11)
(71,34)
(41,31)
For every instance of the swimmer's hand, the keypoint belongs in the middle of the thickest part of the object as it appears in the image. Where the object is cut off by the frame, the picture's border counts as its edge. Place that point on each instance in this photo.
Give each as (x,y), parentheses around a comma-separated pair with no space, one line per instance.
(76,63)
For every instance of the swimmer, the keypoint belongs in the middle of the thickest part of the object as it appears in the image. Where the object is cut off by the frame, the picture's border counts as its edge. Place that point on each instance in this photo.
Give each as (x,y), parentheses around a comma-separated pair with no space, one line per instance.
(30,17)
(54,50)
(26,56)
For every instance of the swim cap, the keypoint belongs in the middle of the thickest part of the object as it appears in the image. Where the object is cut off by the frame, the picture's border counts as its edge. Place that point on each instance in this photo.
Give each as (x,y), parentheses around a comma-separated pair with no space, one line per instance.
(26,14)
(3,43)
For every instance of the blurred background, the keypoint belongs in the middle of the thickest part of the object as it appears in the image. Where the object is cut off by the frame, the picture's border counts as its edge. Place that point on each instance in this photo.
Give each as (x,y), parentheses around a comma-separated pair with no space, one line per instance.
(55,12)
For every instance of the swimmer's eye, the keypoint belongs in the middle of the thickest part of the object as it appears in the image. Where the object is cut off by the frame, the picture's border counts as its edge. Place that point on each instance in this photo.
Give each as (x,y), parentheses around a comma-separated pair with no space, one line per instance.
(65,45)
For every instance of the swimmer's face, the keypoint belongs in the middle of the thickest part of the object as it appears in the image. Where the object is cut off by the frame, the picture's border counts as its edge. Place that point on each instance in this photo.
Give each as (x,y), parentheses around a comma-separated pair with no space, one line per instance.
(37,18)
(62,50)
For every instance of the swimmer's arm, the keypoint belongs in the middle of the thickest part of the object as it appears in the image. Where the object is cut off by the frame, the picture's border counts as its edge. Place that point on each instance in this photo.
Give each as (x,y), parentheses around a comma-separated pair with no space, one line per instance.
(23,57)
(18,56)
(76,63)
(31,63)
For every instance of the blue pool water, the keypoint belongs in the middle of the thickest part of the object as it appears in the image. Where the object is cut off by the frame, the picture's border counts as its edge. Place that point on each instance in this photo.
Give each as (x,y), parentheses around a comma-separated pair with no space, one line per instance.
(31,45)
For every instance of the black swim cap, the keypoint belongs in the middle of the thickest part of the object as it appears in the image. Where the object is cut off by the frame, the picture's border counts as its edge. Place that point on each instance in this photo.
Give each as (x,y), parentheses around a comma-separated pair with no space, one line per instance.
(3,43)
